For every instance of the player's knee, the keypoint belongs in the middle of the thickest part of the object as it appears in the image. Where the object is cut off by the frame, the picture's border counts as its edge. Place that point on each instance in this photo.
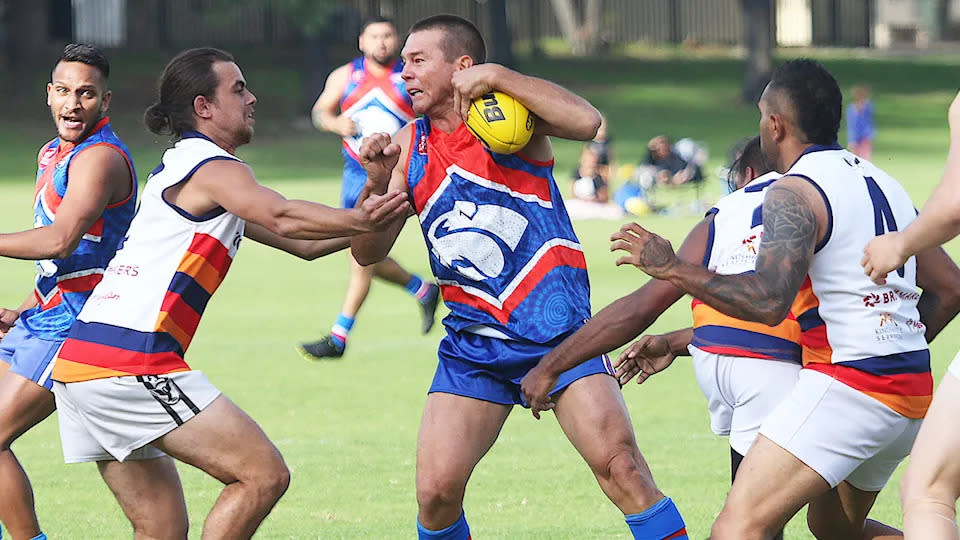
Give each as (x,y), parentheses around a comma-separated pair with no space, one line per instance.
(271,479)
(435,494)
(624,466)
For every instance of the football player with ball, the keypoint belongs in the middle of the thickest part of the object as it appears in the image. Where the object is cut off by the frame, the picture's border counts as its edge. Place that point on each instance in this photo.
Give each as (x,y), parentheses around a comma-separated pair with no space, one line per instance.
(510,268)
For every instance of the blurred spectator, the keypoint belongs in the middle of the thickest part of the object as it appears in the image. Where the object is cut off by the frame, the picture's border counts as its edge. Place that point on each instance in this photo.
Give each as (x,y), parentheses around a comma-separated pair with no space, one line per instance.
(860,129)
(589,184)
(667,166)
(591,195)
(602,146)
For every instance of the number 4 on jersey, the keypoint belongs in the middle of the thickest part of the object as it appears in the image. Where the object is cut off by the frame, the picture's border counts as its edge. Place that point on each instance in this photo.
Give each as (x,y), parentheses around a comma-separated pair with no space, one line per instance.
(883,220)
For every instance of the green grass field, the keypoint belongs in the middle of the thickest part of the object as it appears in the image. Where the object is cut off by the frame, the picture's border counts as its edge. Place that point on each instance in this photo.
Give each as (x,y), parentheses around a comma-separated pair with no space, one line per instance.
(348,428)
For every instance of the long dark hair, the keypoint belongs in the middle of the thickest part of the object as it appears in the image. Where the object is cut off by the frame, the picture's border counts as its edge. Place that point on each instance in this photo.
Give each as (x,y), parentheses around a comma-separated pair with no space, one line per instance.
(188,75)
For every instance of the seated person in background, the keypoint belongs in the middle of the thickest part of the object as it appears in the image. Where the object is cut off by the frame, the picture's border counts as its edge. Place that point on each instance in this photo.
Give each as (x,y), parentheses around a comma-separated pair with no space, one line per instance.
(602,146)
(589,184)
(666,164)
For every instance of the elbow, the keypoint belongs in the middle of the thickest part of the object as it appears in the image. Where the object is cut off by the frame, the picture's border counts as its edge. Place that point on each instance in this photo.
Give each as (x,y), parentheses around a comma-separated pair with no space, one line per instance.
(63,247)
(365,259)
(774,315)
(284,226)
(590,124)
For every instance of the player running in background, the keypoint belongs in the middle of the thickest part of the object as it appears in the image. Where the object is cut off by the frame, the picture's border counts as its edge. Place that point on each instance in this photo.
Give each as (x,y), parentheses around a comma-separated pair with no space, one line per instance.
(515,281)
(363,97)
(931,485)
(85,198)
(125,394)
(866,383)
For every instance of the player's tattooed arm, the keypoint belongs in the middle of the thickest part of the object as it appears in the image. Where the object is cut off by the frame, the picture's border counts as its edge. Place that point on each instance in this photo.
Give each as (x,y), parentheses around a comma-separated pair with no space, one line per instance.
(790,235)
(939,277)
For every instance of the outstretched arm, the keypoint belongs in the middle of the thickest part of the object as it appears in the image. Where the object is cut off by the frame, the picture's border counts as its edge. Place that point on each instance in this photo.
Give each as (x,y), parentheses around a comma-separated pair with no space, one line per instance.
(793,216)
(937,223)
(305,249)
(231,185)
(613,326)
(652,354)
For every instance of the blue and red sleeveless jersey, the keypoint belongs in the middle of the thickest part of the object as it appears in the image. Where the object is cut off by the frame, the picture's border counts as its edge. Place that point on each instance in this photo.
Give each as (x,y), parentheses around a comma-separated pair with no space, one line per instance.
(63,285)
(500,241)
(376,104)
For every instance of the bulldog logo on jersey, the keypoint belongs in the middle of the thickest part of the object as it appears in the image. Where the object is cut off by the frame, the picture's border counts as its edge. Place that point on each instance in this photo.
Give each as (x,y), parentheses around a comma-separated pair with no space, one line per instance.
(465,239)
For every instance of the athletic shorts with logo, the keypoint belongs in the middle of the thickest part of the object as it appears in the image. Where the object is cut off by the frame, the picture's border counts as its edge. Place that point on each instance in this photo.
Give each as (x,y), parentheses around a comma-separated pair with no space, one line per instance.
(116,418)
(741,392)
(841,433)
(29,356)
(491,369)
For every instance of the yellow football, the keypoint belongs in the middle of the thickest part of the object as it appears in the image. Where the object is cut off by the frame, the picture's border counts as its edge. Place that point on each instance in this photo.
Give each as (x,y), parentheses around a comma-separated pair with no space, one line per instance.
(500,122)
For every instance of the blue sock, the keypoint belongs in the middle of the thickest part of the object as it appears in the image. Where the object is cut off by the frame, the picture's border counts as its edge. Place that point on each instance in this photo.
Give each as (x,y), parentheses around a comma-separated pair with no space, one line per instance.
(341,329)
(40,536)
(413,286)
(458,531)
(659,522)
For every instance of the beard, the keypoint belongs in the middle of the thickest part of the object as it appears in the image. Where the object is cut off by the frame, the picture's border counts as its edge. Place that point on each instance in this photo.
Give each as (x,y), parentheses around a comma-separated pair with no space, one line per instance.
(383,61)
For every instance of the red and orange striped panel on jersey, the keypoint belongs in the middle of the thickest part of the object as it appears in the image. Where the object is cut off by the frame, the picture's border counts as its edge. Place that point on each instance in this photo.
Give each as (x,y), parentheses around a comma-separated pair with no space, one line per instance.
(96,350)
(717,333)
(901,381)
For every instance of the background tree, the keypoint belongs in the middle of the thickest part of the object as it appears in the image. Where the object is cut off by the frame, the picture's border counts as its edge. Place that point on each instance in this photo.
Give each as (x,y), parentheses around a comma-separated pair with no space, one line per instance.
(759,36)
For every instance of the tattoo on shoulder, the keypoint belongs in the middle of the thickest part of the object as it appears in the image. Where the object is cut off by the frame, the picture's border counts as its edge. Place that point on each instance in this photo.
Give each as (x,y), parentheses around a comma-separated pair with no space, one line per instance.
(789,235)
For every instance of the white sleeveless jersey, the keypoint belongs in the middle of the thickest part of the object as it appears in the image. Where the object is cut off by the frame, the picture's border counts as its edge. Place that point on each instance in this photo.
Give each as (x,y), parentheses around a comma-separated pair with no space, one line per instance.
(735,235)
(868,336)
(142,316)
(738,228)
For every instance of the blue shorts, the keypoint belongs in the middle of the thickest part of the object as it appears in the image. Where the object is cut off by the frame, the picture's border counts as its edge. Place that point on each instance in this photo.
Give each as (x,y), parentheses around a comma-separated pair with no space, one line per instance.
(354,178)
(29,356)
(490,369)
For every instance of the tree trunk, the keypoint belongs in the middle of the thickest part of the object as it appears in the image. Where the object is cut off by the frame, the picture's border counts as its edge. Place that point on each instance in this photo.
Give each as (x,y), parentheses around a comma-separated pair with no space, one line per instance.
(758,26)
(567,17)
(592,27)
(502,50)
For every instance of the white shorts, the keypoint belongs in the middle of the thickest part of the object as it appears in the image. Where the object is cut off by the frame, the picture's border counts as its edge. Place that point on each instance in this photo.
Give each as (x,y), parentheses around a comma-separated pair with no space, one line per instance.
(841,433)
(741,392)
(118,417)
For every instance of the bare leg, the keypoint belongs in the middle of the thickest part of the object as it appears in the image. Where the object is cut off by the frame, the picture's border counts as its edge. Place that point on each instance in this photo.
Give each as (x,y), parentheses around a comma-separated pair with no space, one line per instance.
(771,486)
(23,404)
(150,494)
(594,417)
(357,288)
(841,513)
(390,270)
(455,433)
(227,444)
(931,485)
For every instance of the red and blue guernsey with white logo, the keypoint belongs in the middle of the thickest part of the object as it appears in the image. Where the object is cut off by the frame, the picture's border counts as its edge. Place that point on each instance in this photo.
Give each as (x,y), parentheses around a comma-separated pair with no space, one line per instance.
(63,285)
(376,104)
(500,241)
